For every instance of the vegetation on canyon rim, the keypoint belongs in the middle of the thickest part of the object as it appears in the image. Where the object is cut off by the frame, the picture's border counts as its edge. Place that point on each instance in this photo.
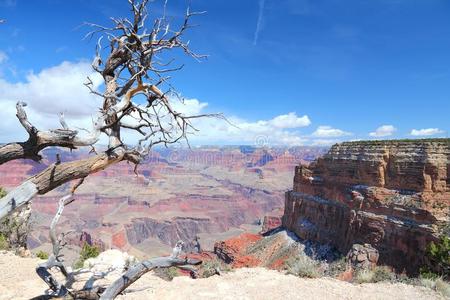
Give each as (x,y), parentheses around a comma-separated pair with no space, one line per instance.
(87,251)
(14,229)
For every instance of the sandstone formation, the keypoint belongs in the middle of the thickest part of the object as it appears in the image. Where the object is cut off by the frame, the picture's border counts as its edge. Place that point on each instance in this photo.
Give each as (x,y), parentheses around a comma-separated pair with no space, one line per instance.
(393,195)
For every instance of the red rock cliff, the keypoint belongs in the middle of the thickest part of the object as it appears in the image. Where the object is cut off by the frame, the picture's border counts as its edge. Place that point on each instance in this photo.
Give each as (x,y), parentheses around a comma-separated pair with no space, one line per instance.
(393,195)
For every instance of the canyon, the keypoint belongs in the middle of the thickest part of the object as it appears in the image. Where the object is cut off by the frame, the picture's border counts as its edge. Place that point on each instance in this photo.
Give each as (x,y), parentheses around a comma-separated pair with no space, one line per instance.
(392,195)
(210,192)
(384,200)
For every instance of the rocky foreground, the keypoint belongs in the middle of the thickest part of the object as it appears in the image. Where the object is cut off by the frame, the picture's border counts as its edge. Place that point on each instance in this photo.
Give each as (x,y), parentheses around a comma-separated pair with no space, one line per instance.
(19,281)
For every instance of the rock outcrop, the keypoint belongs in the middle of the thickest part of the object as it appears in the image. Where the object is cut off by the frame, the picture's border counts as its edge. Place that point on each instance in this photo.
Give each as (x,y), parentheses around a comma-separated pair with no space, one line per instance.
(393,195)
(270,223)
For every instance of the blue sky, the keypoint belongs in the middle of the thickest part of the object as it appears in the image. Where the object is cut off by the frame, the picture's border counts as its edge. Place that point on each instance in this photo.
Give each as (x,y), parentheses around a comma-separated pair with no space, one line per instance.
(349,67)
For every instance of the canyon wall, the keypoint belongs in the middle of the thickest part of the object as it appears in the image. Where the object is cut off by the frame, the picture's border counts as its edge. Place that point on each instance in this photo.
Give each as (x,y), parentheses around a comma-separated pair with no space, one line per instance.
(394,195)
(178,194)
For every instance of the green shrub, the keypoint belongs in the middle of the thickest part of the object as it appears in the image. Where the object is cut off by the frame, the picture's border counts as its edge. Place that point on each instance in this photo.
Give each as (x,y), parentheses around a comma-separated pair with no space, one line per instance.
(439,255)
(377,274)
(15,227)
(337,267)
(303,266)
(436,283)
(42,254)
(364,276)
(3,193)
(4,245)
(87,252)
(211,267)
(167,273)
(443,287)
(383,273)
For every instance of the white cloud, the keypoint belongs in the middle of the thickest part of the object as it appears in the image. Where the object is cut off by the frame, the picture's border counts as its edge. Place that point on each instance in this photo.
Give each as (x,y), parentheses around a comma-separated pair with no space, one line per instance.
(276,131)
(290,120)
(426,132)
(47,93)
(384,130)
(328,131)
(3,57)
(60,89)
(188,107)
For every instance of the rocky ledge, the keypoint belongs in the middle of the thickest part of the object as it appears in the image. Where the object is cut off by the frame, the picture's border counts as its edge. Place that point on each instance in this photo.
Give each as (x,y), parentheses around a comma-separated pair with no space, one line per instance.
(393,195)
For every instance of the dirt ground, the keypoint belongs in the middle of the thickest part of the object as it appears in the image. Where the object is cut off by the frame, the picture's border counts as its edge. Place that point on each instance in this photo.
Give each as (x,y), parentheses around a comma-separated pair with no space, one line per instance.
(18,280)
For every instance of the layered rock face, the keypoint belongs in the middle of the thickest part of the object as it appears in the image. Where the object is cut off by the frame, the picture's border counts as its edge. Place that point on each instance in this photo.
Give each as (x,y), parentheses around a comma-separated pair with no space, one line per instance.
(393,195)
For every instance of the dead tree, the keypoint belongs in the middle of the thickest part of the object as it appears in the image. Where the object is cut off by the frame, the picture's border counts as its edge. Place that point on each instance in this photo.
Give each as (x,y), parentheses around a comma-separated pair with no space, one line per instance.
(131,57)
(132,66)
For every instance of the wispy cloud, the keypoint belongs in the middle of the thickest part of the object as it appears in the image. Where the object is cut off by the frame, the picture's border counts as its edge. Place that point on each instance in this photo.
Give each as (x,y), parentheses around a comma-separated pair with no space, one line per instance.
(329,132)
(426,132)
(259,23)
(8,3)
(3,57)
(384,130)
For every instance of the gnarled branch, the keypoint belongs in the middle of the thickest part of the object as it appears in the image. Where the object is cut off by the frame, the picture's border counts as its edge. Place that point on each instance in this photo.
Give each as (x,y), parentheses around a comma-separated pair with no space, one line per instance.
(56,175)
(39,140)
(135,272)
(54,259)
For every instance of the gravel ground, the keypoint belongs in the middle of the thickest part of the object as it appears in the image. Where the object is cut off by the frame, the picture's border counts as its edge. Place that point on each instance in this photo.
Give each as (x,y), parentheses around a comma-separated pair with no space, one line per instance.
(18,280)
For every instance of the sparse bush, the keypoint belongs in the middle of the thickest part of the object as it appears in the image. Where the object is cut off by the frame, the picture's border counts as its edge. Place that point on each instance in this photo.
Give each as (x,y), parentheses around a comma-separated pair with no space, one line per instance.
(377,274)
(383,273)
(436,283)
(3,193)
(439,256)
(427,282)
(211,267)
(403,278)
(14,229)
(42,254)
(167,273)
(443,287)
(303,266)
(4,245)
(337,267)
(364,276)
(87,251)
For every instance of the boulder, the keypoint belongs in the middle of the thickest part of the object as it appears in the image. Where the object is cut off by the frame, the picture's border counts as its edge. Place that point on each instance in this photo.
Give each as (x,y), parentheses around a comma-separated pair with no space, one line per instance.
(363,256)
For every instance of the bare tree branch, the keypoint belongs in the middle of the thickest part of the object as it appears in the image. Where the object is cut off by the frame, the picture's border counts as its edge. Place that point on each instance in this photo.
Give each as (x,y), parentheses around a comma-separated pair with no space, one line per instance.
(56,175)
(54,259)
(39,140)
(135,272)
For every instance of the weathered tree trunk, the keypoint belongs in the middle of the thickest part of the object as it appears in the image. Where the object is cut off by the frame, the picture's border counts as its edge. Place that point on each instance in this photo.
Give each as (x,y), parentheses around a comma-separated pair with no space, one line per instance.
(16,227)
(54,176)
(135,272)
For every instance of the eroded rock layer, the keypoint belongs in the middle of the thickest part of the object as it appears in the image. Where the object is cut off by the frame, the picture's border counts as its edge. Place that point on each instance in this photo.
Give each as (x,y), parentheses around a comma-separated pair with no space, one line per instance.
(393,195)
